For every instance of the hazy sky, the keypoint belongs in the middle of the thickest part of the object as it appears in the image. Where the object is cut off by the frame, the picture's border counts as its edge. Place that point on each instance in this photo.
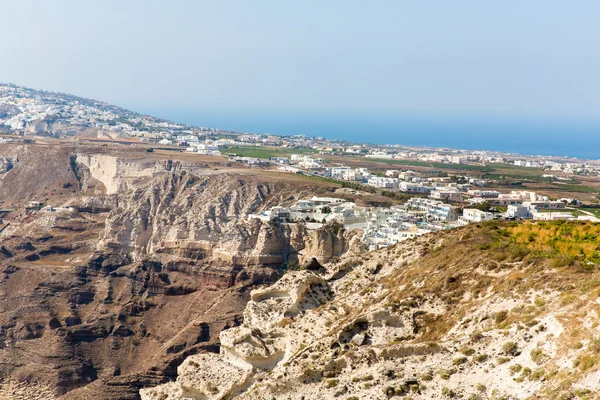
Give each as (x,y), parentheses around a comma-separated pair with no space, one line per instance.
(534,57)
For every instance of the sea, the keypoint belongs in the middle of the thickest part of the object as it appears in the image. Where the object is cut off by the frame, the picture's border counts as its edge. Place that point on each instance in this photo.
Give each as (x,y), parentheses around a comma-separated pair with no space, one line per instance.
(525,136)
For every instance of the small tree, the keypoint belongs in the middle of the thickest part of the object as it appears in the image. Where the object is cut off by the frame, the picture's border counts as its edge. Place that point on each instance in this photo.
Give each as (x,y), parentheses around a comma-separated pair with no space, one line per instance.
(484,206)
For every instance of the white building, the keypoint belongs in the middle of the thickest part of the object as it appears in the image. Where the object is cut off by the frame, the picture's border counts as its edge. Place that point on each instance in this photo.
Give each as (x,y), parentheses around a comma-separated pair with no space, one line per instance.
(446,194)
(474,215)
(456,159)
(436,210)
(410,187)
(518,211)
(383,182)
(309,164)
(484,193)
(552,216)
(280,160)
(349,174)
(320,201)
(544,205)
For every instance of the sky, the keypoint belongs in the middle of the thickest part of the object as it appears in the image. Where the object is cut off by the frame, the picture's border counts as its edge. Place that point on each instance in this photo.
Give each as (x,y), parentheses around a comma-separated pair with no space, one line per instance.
(533,59)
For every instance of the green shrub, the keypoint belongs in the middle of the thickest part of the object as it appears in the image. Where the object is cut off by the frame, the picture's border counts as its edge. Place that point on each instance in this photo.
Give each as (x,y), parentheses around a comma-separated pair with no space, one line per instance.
(515,368)
(537,355)
(510,349)
(447,392)
(460,361)
(476,336)
(537,374)
(594,345)
(562,260)
(331,383)
(427,376)
(446,373)
(500,316)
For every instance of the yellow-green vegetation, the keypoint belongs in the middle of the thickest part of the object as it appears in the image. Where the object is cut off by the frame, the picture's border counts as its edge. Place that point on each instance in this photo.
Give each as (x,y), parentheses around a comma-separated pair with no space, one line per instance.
(434,165)
(467,351)
(426,376)
(510,258)
(447,392)
(510,348)
(515,368)
(537,355)
(446,373)
(390,391)
(537,374)
(502,360)
(266,152)
(460,360)
(331,382)
(595,211)
(539,276)
(566,243)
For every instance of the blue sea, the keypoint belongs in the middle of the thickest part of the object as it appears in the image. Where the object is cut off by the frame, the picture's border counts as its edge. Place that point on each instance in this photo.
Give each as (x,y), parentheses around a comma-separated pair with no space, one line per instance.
(525,136)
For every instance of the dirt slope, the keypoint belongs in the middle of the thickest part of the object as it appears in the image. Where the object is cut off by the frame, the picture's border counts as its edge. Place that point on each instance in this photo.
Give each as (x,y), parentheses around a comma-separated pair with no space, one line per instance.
(496,311)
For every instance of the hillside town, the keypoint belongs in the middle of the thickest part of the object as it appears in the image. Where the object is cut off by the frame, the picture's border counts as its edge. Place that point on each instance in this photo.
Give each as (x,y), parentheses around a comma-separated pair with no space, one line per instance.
(28,112)
(422,155)
(384,226)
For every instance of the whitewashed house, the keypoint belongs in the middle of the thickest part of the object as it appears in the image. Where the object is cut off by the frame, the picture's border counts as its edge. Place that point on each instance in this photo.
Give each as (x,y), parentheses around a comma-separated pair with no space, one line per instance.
(518,211)
(471,215)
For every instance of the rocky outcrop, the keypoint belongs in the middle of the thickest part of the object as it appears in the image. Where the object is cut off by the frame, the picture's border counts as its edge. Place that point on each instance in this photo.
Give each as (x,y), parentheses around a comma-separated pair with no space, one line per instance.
(206,217)
(324,244)
(430,318)
(204,376)
(30,172)
(116,174)
(259,344)
(6,164)
(101,302)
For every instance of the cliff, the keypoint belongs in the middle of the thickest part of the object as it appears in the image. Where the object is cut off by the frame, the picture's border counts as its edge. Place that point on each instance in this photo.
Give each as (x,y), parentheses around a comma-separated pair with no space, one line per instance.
(496,311)
(182,213)
(103,301)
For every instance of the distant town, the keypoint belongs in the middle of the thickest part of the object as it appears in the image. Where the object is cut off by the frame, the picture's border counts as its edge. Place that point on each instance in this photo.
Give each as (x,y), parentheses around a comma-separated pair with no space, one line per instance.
(383,226)
(432,188)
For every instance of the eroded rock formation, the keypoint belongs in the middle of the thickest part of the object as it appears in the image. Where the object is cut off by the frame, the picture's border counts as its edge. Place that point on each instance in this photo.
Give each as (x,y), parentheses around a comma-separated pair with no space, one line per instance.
(437,317)
(114,296)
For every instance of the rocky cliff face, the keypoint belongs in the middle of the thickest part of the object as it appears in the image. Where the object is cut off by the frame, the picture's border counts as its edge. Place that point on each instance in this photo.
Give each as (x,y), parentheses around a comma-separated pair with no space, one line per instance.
(6,164)
(115,173)
(474,313)
(181,213)
(102,302)
(38,173)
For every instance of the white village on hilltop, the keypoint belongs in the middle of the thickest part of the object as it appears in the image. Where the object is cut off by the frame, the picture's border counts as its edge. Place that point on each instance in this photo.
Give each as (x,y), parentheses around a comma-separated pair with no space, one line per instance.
(384,226)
